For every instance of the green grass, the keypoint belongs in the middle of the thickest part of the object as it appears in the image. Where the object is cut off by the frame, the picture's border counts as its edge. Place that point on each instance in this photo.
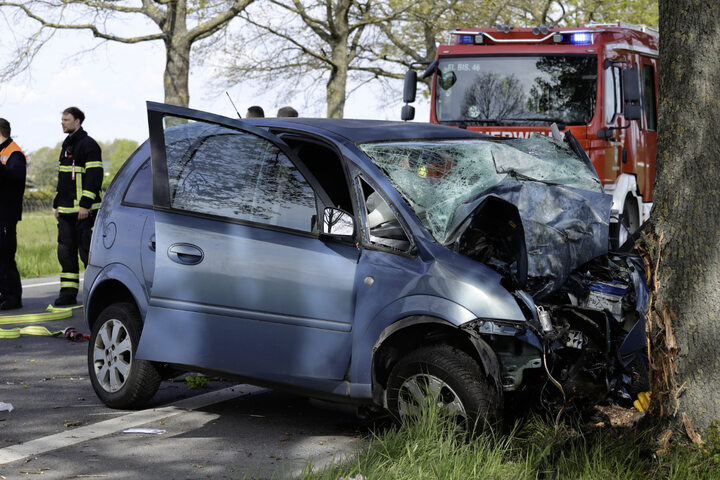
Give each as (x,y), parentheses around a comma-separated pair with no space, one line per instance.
(430,449)
(37,245)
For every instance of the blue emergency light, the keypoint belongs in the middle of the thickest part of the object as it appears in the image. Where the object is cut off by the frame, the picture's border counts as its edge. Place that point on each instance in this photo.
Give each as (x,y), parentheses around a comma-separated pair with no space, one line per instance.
(581,38)
(466,39)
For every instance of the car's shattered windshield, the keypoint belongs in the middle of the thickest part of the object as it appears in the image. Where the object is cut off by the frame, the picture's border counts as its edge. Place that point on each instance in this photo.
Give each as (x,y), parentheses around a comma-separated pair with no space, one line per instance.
(436,177)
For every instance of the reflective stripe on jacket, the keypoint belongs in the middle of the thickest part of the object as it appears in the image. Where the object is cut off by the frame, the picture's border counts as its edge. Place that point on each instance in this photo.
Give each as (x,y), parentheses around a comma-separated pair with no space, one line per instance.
(9,150)
(80,174)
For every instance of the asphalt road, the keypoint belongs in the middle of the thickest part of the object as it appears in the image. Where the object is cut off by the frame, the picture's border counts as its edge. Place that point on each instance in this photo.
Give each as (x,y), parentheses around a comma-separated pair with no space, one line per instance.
(59,429)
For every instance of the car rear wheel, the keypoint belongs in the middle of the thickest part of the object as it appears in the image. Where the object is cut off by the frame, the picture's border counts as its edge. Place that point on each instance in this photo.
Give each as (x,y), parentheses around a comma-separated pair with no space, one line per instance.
(118,378)
(447,378)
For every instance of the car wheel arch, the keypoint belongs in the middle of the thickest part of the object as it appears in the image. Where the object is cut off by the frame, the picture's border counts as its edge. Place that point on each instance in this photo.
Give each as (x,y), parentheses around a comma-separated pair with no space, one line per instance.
(413,332)
(104,294)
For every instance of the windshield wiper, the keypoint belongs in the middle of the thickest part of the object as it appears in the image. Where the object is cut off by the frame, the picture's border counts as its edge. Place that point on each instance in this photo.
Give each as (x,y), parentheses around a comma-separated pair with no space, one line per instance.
(559,121)
(503,121)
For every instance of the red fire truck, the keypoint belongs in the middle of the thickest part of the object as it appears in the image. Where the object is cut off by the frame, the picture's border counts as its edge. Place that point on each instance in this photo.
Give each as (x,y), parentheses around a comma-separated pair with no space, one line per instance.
(599,81)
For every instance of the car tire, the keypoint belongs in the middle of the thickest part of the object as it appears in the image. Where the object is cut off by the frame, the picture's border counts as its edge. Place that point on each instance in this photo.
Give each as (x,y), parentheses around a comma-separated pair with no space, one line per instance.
(458,384)
(118,378)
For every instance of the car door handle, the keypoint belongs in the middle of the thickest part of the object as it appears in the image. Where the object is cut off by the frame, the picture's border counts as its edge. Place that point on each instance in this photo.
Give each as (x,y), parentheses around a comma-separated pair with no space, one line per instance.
(151,243)
(185,254)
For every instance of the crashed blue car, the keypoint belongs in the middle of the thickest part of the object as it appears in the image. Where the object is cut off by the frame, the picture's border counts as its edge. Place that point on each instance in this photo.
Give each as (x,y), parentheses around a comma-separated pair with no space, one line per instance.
(376,263)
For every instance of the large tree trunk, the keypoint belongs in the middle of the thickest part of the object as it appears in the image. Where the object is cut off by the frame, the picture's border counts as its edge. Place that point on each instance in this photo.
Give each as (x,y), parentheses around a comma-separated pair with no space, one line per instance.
(337,83)
(684,240)
(177,73)
(177,55)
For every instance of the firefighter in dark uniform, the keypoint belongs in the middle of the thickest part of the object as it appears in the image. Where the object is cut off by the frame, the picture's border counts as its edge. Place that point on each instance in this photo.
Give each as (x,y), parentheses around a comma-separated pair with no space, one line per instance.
(13,168)
(80,176)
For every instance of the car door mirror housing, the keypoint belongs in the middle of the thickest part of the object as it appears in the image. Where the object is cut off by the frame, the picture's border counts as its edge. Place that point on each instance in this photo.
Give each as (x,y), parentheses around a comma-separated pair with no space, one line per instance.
(338,222)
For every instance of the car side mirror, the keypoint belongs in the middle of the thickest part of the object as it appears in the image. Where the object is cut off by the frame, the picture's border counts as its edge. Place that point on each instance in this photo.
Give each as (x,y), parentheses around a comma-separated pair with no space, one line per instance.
(338,222)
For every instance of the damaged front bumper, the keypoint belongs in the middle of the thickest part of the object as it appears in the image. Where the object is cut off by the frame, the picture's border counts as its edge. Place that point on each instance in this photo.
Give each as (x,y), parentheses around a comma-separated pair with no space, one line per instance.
(585,343)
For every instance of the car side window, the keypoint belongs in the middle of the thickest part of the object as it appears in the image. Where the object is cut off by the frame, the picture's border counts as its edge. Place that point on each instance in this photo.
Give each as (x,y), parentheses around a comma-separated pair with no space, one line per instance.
(140,190)
(219,171)
(384,229)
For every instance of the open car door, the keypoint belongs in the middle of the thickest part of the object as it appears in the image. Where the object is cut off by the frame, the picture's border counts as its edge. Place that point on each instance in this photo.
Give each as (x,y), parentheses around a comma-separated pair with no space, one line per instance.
(243,281)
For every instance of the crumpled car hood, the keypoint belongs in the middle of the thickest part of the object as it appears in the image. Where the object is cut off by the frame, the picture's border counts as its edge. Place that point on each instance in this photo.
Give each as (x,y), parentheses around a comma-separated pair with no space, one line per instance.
(563,228)
(562,212)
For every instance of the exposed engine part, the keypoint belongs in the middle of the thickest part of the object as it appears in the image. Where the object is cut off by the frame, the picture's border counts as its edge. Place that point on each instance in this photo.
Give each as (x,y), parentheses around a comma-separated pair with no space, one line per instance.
(575,340)
(552,379)
(544,317)
(583,344)
(604,295)
(514,366)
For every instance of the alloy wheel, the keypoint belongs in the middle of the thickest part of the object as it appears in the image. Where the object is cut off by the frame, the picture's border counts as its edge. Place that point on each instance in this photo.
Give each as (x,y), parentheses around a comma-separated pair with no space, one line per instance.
(418,390)
(112,355)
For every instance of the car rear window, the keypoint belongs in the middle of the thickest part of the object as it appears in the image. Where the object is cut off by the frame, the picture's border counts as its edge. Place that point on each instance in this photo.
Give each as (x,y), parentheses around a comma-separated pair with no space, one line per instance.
(139,192)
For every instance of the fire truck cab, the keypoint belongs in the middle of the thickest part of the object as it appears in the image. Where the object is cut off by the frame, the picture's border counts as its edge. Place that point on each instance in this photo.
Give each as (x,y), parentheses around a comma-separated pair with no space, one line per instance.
(599,81)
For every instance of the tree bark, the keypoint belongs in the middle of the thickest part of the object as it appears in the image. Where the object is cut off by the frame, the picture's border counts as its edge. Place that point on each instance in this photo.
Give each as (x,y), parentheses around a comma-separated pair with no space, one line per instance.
(177,54)
(176,75)
(337,83)
(339,30)
(684,236)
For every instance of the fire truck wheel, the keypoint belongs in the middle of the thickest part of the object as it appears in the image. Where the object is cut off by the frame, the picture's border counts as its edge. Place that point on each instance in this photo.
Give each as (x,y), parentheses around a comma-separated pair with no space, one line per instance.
(118,378)
(626,225)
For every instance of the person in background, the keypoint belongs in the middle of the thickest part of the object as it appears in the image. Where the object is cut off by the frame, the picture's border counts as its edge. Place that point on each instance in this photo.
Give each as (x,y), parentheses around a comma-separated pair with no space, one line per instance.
(13,169)
(255,112)
(287,112)
(80,176)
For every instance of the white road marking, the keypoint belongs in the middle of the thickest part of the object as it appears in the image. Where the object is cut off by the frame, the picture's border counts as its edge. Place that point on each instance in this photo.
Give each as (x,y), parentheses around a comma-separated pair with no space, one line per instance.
(114,425)
(46,284)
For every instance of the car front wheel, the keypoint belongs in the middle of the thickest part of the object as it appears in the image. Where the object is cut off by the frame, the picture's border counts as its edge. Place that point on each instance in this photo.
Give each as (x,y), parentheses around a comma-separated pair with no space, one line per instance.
(448,378)
(118,378)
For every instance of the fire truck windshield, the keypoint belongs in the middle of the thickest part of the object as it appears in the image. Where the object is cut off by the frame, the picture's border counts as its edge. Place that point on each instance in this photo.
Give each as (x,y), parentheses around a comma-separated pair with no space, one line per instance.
(516,90)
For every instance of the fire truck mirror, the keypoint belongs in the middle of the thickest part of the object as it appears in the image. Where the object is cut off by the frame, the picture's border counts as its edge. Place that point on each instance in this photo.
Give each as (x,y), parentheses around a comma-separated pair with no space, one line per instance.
(410,86)
(430,69)
(407,113)
(631,85)
(632,112)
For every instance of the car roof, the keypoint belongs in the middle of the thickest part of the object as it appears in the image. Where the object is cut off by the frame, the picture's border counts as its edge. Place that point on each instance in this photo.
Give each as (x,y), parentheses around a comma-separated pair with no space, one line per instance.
(365,131)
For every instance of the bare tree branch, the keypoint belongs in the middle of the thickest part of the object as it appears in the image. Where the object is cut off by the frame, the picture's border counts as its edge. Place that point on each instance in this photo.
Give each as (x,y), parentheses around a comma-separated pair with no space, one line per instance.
(96,33)
(170,16)
(96,4)
(209,27)
(290,38)
(154,13)
(320,28)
